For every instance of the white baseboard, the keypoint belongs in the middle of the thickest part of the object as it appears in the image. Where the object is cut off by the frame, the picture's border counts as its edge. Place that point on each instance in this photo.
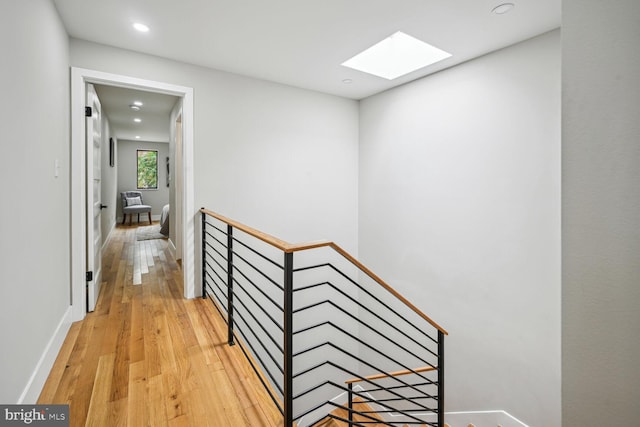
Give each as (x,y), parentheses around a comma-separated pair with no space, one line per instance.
(172,248)
(106,241)
(41,372)
(454,419)
(481,419)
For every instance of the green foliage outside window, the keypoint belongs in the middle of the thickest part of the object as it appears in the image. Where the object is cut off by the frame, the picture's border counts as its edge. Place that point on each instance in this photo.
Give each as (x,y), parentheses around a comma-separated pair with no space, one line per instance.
(147,169)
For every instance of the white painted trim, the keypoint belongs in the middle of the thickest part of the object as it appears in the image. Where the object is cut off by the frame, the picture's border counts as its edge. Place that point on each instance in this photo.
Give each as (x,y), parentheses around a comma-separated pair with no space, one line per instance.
(172,248)
(78,196)
(79,78)
(506,414)
(189,210)
(477,418)
(176,219)
(483,418)
(106,241)
(40,374)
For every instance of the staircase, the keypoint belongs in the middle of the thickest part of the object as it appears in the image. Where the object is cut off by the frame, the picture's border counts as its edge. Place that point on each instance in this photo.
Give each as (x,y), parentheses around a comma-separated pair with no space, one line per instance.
(339,413)
(319,328)
(334,419)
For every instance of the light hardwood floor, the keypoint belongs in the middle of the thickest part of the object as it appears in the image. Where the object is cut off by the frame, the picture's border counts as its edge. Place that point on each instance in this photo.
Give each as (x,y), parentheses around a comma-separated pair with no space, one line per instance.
(148,357)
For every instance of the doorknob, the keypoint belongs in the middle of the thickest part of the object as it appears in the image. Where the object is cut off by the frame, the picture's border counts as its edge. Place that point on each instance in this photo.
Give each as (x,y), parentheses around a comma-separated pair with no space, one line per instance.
(103,206)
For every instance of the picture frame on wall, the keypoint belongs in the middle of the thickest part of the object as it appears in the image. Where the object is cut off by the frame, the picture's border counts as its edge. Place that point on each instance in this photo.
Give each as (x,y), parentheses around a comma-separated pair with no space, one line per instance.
(112,154)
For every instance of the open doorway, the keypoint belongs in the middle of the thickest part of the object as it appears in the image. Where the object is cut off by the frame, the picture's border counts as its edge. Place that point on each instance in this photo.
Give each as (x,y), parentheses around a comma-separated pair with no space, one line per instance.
(80,78)
(131,122)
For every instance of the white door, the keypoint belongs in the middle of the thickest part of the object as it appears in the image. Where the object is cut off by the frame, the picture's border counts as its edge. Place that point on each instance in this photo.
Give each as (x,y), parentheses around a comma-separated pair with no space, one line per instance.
(94,205)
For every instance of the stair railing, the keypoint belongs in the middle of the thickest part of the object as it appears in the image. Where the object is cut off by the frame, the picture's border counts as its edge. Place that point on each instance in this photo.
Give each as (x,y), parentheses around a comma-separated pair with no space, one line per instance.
(337,320)
(413,405)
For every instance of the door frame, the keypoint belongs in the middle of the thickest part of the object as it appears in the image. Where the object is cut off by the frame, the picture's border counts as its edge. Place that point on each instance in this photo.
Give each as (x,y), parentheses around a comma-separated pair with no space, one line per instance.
(79,79)
(93,254)
(176,217)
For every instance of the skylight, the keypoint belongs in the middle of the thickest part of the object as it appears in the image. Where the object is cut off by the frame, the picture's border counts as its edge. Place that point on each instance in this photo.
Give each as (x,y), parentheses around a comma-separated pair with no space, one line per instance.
(395,56)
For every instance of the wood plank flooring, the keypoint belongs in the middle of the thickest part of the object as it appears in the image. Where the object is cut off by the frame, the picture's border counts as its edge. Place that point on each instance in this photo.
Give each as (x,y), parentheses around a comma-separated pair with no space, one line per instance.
(148,357)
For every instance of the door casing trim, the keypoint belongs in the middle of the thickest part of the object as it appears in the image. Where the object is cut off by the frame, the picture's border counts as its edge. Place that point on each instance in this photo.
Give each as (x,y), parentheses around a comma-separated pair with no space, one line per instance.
(79,79)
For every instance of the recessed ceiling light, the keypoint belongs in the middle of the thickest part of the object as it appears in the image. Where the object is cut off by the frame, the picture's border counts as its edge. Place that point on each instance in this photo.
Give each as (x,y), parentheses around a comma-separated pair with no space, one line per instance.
(395,56)
(137,120)
(137,136)
(138,103)
(347,81)
(503,8)
(134,107)
(141,27)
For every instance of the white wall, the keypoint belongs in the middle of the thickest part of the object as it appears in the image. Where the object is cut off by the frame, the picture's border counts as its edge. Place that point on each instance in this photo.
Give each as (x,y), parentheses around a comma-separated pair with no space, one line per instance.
(275,157)
(460,211)
(34,276)
(127,176)
(281,159)
(108,181)
(601,213)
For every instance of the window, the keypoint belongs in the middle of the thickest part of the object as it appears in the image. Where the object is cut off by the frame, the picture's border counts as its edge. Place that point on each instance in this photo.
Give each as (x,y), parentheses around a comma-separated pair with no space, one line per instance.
(147,169)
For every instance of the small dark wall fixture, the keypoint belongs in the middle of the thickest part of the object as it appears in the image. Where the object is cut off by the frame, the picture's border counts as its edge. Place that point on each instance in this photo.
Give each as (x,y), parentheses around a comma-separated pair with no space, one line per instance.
(168,174)
(112,154)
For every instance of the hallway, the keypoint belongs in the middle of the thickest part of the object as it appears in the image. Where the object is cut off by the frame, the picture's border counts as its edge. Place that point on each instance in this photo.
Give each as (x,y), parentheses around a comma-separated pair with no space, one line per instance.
(148,357)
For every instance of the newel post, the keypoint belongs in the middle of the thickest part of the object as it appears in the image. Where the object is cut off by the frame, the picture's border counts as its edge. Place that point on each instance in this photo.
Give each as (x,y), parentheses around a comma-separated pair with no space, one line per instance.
(440,379)
(204,253)
(288,339)
(230,339)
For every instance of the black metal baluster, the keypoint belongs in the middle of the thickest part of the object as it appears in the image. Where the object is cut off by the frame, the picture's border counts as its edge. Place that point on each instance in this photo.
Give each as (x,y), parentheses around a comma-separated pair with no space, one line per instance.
(350,403)
(288,339)
(440,379)
(241,284)
(230,339)
(204,255)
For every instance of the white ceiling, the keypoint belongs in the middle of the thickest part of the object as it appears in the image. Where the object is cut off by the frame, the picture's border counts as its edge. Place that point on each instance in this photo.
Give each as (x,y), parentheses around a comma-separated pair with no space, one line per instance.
(154,113)
(296,42)
(302,42)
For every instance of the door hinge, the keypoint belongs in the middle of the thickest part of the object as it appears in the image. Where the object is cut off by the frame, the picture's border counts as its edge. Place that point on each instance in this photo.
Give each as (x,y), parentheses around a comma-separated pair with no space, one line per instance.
(88,112)
(89,276)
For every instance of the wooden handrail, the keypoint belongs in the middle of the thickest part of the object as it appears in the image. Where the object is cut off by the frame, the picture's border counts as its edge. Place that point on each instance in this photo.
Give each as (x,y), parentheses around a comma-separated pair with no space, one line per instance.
(267,238)
(387,287)
(290,248)
(390,374)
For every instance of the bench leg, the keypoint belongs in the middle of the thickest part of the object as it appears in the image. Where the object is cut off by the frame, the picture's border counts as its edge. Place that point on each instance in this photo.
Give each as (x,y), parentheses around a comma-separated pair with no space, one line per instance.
(124,218)
(150,217)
